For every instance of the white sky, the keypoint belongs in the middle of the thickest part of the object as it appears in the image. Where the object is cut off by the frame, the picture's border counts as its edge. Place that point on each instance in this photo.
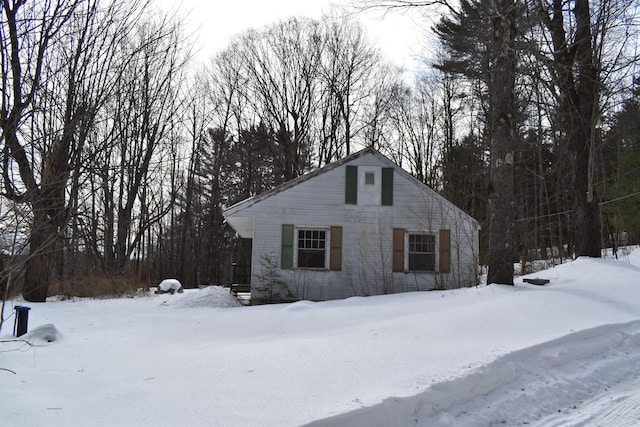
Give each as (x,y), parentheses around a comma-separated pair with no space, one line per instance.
(398,36)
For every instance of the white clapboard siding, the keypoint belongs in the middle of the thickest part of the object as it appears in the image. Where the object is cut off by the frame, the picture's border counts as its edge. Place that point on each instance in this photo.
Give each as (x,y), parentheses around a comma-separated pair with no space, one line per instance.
(318,200)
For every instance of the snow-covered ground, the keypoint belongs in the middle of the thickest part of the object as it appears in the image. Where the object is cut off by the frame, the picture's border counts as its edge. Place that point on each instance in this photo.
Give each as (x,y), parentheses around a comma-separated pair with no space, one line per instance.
(567,353)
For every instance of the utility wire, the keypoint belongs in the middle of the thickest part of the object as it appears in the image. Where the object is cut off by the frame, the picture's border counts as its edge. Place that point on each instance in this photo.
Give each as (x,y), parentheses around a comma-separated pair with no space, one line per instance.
(571,210)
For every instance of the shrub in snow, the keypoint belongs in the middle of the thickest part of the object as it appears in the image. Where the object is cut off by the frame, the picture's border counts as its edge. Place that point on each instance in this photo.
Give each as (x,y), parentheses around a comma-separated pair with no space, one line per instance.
(170,286)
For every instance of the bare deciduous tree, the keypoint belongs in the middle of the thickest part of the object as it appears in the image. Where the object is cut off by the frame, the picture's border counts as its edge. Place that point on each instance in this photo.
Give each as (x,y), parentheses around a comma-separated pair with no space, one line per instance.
(579,32)
(53,72)
(144,106)
(348,64)
(280,66)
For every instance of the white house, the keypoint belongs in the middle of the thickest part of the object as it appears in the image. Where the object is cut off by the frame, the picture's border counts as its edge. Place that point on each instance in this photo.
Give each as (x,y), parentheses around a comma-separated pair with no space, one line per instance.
(360,226)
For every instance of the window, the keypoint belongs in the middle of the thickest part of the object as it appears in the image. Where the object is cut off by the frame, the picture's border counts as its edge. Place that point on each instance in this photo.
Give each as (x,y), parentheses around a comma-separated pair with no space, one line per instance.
(369,178)
(415,251)
(421,252)
(312,248)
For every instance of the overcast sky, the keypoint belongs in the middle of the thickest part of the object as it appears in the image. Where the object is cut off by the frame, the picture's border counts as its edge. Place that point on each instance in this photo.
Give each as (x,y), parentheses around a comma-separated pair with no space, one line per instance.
(397,35)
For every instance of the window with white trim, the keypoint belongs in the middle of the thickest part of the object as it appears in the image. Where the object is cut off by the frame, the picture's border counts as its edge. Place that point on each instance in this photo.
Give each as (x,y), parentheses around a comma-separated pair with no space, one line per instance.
(311,248)
(421,252)
(369,178)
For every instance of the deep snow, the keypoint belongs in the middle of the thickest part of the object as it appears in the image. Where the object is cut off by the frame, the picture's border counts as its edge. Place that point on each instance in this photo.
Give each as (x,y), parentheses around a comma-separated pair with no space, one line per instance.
(567,353)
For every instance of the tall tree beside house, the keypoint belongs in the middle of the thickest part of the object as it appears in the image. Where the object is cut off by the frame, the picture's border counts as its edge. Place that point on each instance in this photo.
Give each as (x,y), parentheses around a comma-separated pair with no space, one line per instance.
(576,75)
(467,56)
(586,55)
(466,37)
(480,41)
(502,116)
(576,51)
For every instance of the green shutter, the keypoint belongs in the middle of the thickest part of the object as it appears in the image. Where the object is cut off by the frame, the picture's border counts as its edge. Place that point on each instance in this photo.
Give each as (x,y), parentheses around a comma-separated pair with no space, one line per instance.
(351,186)
(286,261)
(387,186)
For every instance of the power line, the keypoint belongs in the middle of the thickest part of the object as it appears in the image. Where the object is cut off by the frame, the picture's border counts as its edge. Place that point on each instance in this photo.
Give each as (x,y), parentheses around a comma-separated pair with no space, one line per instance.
(571,210)
(619,198)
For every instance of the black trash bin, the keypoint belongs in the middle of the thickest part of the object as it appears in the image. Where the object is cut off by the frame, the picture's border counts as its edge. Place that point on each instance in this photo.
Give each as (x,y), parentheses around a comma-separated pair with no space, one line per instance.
(21,322)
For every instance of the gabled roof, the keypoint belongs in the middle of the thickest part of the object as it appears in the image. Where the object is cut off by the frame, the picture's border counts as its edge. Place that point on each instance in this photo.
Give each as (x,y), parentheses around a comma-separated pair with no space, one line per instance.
(240,206)
(302,178)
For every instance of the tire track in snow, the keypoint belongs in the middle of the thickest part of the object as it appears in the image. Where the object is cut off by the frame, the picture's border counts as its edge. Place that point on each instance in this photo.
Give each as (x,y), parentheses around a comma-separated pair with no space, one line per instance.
(618,406)
(532,386)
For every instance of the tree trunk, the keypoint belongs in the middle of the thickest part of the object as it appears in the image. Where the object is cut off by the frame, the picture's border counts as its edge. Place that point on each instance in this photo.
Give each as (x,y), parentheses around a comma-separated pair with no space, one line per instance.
(587,232)
(39,264)
(587,212)
(577,78)
(502,134)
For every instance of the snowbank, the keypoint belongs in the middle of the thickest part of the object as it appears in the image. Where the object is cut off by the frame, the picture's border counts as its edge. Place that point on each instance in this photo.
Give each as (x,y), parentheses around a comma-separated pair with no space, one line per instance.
(210,296)
(540,355)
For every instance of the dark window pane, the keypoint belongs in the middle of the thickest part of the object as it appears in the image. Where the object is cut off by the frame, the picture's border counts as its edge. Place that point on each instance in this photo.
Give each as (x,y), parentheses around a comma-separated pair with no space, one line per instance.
(421,252)
(421,262)
(369,178)
(311,248)
(308,258)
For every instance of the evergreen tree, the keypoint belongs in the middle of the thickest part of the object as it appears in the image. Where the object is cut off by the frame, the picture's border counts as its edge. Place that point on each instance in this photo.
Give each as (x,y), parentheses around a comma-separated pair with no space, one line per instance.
(622,159)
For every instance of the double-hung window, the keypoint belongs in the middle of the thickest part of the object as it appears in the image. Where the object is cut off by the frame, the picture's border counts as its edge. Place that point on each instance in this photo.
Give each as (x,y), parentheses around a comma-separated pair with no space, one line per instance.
(421,252)
(311,248)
